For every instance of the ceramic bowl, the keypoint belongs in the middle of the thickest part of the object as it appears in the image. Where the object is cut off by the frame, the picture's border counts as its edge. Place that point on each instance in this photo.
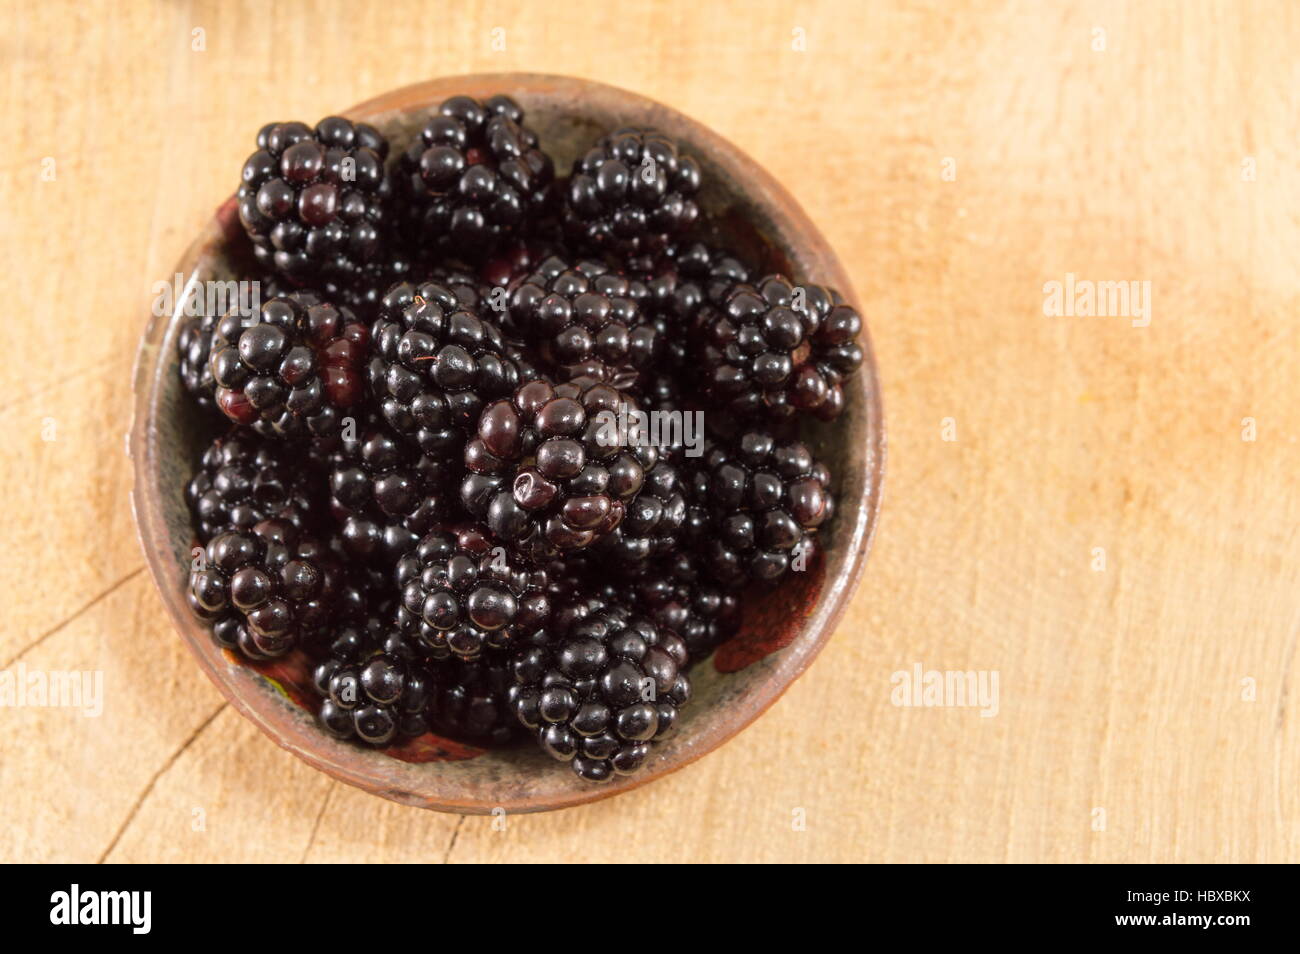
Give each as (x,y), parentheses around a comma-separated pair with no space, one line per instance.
(782,630)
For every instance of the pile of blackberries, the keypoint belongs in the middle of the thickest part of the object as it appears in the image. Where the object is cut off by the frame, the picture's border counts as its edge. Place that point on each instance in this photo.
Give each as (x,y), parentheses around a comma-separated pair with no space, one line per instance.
(502,450)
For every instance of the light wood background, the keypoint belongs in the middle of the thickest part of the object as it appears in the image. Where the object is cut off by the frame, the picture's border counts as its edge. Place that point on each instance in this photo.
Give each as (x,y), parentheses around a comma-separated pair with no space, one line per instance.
(1154,699)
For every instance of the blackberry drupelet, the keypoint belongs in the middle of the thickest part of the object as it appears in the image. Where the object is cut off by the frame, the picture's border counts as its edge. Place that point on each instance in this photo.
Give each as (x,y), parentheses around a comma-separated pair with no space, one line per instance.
(633,190)
(277,582)
(759,502)
(434,364)
(473,177)
(313,201)
(386,494)
(604,687)
(586,321)
(244,479)
(461,595)
(776,349)
(546,472)
(293,370)
(469,700)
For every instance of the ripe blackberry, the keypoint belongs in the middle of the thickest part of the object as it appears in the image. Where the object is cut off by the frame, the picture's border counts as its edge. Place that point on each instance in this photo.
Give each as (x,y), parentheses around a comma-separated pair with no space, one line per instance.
(760,503)
(546,472)
(679,596)
(602,689)
(469,699)
(473,177)
(686,276)
(362,293)
(387,495)
(777,349)
(194,348)
(461,594)
(653,519)
(279,583)
(632,190)
(375,696)
(291,371)
(313,201)
(434,363)
(244,479)
(586,321)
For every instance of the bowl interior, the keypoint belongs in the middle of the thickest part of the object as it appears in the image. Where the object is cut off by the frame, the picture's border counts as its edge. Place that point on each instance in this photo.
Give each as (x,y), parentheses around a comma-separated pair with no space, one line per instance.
(782,628)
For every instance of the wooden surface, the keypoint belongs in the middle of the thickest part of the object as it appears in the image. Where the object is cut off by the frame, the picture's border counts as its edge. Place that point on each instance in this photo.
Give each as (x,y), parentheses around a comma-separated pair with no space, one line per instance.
(1147,704)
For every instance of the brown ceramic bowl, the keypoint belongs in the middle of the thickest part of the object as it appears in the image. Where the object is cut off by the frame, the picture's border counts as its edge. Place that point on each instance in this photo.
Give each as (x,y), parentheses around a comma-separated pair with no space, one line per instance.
(782,630)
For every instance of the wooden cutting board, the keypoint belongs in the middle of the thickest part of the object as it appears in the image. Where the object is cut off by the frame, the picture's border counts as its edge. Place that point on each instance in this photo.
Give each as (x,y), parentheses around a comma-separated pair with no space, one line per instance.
(1097,509)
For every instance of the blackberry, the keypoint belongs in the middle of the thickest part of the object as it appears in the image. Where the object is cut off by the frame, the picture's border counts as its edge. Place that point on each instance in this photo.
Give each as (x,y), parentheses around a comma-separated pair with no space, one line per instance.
(376,697)
(194,348)
(586,321)
(652,521)
(678,282)
(679,596)
(313,201)
(760,502)
(546,472)
(243,480)
(602,689)
(374,685)
(632,190)
(473,177)
(469,699)
(387,495)
(363,293)
(776,349)
(292,370)
(278,583)
(461,594)
(434,364)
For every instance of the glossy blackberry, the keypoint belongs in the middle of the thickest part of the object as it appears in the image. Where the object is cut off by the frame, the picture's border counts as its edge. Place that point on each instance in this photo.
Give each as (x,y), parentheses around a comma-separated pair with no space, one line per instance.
(314,201)
(386,494)
(377,697)
(775,349)
(194,348)
(631,190)
(603,689)
(469,700)
(294,370)
(374,685)
(678,595)
(462,594)
(760,502)
(362,293)
(244,479)
(586,321)
(653,519)
(473,177)
(279,583)
(546,472)
(434,364)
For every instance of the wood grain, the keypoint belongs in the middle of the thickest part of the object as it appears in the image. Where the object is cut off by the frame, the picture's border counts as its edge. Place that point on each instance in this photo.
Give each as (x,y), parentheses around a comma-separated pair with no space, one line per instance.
(1121,689)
